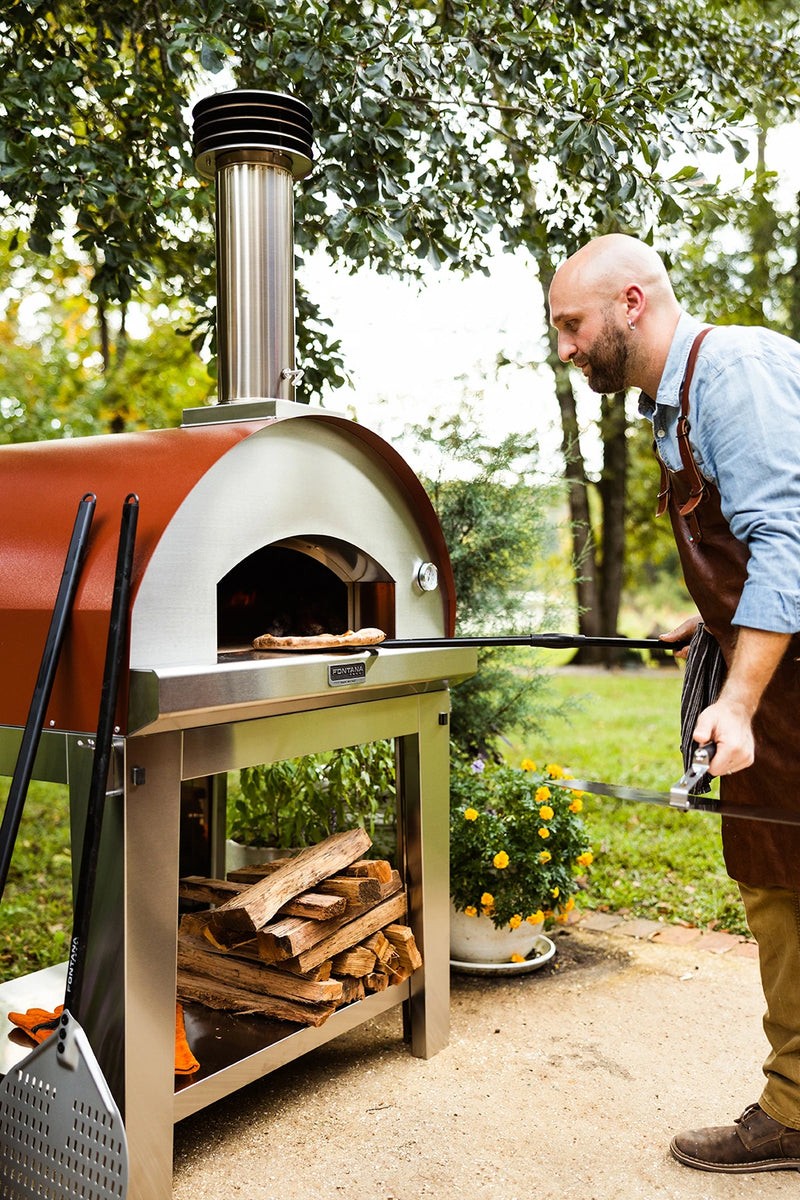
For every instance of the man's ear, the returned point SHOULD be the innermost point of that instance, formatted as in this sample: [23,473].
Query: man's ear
[634,303]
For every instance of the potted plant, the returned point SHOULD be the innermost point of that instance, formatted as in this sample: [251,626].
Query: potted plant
[516,844]
[278,807]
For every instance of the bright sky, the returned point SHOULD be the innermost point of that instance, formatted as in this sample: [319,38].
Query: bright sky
[413,351]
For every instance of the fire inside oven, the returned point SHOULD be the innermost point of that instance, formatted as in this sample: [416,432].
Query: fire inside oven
[301,587]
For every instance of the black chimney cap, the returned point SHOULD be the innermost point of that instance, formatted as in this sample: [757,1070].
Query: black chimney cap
[244,119]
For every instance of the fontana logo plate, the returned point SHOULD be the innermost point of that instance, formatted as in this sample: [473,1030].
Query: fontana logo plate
[340,674]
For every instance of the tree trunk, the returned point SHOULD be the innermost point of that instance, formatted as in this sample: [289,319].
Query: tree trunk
[584,550]
[613,431]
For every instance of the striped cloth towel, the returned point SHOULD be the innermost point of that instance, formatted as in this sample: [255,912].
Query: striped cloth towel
[702,681]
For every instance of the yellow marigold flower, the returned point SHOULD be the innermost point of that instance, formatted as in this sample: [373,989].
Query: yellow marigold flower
[489,910]
[542,794]
[471,814]
[500,860]
[515,921]
[527,764]
[471,910]
[568,907]
[517,958]
[555,771]
[555,892]
[487,899]
[535,918]
[576,805]
[585,859]
[544,832]
[545,812]
[544,856]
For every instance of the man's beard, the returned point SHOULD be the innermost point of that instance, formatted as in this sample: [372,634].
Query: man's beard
[608,361]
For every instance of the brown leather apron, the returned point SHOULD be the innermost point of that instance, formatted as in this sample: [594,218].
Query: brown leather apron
[715,568]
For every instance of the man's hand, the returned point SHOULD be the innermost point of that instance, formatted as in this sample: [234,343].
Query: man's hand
[729,721]
[683,633]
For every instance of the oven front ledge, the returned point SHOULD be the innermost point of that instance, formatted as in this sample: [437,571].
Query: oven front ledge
[164,698]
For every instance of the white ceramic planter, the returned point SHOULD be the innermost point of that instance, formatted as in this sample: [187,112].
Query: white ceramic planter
[238,855]
[475,939]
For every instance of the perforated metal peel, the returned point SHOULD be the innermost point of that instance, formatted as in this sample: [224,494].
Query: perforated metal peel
[61,1133]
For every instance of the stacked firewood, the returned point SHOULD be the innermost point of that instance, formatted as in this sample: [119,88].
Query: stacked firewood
[296,938]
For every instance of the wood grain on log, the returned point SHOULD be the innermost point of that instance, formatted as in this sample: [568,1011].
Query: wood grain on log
[193,989]
[195,957]
[238,919]
[353,931]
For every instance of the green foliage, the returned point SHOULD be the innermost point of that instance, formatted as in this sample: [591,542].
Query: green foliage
[516,840]
[36,913]
[301,801]
[493,508]
[434,125]
[54,381]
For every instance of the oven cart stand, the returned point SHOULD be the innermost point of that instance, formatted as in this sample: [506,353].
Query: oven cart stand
[129,1012]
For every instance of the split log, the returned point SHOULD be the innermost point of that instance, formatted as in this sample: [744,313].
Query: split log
[404,943]
[378,981]
[238,919]
[358,961]
[287,938]
[196,924]
[207,891]
[372,868]
[315,905]
[380,946]
[352,989]
[255,871]
[355,891]
[353,931]
[212,994]
[196,957]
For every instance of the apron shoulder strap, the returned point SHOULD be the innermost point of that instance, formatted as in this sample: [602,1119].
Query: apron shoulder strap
[698,486]
[687,458]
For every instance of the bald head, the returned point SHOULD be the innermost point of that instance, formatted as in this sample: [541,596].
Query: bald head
[616,286]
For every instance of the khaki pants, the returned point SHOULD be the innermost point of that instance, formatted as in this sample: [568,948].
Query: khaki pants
[773,915]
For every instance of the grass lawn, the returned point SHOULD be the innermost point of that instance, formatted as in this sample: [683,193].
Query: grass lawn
[649,861]
[36,909]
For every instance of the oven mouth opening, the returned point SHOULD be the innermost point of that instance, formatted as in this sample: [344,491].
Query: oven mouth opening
[299,587]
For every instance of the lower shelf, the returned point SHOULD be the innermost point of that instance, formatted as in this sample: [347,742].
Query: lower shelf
[235,1051]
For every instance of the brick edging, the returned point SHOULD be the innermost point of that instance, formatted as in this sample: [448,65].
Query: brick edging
[712,941]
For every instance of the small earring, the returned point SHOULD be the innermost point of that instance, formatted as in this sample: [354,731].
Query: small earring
[631,325]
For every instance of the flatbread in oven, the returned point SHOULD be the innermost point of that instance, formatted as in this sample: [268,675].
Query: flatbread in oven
[321,641]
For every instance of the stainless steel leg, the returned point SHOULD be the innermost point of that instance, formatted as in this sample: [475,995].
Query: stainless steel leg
[152,821]
[424,763]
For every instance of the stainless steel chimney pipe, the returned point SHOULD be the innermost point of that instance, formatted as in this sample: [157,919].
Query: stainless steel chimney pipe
[255,144]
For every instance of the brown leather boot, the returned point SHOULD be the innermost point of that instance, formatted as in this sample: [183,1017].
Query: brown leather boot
[755,1142]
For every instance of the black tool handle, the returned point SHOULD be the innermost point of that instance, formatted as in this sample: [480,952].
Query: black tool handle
[32,733]
[115,649]
[546,641]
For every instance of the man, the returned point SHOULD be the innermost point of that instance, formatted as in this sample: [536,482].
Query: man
[725,407]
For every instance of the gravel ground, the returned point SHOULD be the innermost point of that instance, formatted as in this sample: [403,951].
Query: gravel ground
[563,1084]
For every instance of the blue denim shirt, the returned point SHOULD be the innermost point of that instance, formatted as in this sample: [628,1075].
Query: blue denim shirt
[744,413]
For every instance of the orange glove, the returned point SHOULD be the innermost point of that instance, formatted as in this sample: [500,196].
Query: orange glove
[39,1024]
[185,1061]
